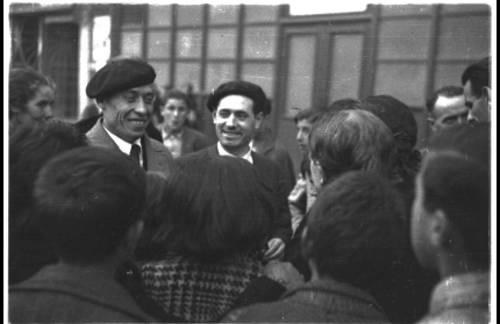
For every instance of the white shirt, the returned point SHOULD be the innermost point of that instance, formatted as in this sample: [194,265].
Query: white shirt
[124,146]
[223,152]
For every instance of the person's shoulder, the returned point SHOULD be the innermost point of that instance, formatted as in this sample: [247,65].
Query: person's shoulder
[265,162]
[261,312]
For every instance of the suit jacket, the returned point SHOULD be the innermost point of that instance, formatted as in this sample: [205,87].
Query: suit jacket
[193,141]
[273,179]
[156,156]
[62,294]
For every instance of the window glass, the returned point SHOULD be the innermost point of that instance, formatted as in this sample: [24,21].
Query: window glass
[190,15]
[162,70]
[159,44]
[449,74]
[187,73]
[258,13]
[131,43]
[260,74]
[259,42]
[218,73]
[160,15]
[222,43]
[224,14]
[404,39]
[189,43]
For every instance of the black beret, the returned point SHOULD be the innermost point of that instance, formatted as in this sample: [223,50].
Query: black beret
[242,88]
[120,75]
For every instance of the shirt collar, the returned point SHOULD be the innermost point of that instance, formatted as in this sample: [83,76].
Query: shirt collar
[124,146]
[166,134]
[223,152]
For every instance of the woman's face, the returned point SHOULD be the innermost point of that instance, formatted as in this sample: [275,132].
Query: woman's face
[39,108]
[175,113]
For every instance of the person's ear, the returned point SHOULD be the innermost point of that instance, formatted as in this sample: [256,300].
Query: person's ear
[258,119]
[100,104]
[306,245]
[317,174]
[486,93]
[134,233]
[214,115]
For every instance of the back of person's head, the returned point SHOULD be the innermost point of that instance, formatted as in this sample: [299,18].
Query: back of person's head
[355,229]
[479,75]
[212,207]
[351,140]
[310,115]
[447,92]
[341,104]
[24,83]
[456,179]
[88,198]
[31,146]
[396,115]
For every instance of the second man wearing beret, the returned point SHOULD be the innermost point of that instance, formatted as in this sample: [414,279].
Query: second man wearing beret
[237,111]
[124,90]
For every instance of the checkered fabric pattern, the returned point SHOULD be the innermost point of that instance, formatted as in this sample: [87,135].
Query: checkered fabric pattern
[197,290]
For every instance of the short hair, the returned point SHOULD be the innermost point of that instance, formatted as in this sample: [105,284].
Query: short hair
[210,207]
[30,148]
[456,179]
[88,198]
[357,228]
[24,82]
[479,75]
[309,114]
[176,94]
[396,115]
[352,140]
[447,92]
[341,104]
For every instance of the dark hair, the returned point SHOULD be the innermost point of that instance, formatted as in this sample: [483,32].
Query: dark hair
[31,146]
[447,92]
[351,140]
[211,207]
[88,198]
[175,94]
[479,75]
[310,114]
[356,227]
[24,82]
[396,115]
[341,104]
[456,179]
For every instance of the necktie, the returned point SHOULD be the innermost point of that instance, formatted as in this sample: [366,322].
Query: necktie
[134,152]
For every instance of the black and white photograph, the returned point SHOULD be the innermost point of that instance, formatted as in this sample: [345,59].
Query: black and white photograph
[250,161]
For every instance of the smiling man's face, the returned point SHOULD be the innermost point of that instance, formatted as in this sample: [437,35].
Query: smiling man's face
[235,123]
[126,114]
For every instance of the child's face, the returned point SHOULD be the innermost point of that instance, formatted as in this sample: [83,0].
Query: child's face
[421,228]
[303,130]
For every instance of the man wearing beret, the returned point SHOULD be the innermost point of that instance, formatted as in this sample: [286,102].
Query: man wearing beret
[124,90]
[237,111]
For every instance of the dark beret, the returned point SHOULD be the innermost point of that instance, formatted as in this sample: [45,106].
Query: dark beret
[120,75]
[242,88]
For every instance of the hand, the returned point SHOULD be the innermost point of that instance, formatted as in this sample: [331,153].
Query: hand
[276,249]
[283,273]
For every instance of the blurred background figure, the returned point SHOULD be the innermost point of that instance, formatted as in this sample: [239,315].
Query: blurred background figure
[179,138]
[204,240]
[451,223]
[477,90]
[264,142]
[446,107]
[31,96]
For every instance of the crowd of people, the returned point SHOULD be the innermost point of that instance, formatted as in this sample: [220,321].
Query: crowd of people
[119,219]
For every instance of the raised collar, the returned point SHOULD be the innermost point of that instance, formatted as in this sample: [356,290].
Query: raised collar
[223,152]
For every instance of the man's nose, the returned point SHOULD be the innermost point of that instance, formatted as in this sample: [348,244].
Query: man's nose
[231,121]
[141,108]
[47,112]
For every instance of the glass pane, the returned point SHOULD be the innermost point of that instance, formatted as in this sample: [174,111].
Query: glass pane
[396,10]
[405,82]
[465,7]
[404,39]
[131,43]
[300,74]
[256,13]
[101,43]
[346,67]
[159,44]
[160,15]
[464,37]
[162,73]
[449,74]
[224,14]
[218,74]
[189,43]
[187,73]
[260,42]
[222,43]
[260,74]
[190,15]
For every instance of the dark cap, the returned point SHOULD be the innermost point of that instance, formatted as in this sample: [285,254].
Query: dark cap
[120,75]
[242,88]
